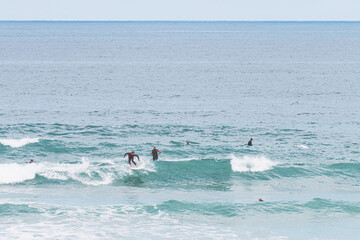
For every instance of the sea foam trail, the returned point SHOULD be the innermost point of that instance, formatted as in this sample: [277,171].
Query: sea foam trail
[251,164]
[98,173]
[15,143]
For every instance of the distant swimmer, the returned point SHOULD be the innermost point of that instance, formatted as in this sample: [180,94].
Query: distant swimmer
[260,200]
[131,156]
[31,161]
[250,142]
[154,153]
[187,143]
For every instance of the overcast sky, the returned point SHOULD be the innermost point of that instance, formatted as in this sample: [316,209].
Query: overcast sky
[239,10]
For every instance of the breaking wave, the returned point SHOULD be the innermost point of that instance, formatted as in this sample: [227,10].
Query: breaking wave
[251,164]
[15,143]
[95,173]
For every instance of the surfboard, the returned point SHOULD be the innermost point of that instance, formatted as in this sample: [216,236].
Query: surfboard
[136,168]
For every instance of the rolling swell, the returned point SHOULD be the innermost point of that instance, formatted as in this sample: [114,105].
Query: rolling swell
[315,206]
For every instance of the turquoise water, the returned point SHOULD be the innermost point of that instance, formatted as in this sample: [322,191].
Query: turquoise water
[75,96]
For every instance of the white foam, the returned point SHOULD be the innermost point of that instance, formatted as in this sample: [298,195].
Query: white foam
[13,173]
[84,172]
[251,164]
[303,146]
[15,143]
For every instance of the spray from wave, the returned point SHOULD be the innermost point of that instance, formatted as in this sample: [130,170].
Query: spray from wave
[15,143]
[95,173]
[251,164]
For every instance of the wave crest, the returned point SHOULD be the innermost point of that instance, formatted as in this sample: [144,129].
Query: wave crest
[15,143]
[98,173]
[251,164]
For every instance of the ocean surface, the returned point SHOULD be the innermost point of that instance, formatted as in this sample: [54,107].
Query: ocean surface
[76,96]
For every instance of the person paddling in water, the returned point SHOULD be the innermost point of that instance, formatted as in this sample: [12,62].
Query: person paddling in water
[154,153]
[131,156]
[250,142]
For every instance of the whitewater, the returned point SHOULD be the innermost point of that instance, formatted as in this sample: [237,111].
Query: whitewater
[15,143]
[76,96]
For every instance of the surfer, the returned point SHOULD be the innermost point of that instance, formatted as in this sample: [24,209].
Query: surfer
[187,143]
[31,161]
[250,142]
[154,153]
[131,156]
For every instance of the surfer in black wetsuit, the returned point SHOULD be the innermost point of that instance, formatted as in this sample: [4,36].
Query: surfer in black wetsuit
[131,157]
[154,153]
[250,142]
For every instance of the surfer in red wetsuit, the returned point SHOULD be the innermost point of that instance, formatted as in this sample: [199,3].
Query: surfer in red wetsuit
[154,153]
[131,157]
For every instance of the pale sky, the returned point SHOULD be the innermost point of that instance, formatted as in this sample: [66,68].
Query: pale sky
[207,10]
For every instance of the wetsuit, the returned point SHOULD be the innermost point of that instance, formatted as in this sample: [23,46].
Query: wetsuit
[250,143]
[131,157]
[154,153]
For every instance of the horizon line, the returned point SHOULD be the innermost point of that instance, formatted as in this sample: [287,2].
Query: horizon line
[37,20]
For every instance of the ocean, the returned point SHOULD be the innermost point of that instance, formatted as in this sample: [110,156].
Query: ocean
[76,96]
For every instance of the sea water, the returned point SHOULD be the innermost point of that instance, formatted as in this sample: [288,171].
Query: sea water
[76,96]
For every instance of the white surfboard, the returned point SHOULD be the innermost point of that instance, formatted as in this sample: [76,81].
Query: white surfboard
[136,167]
